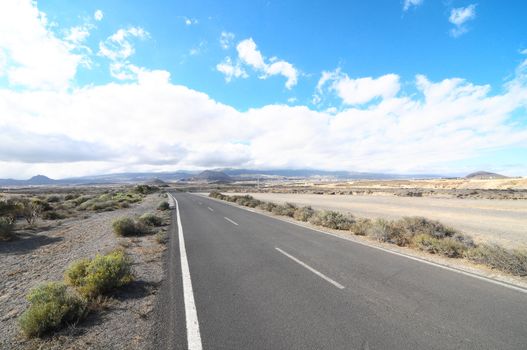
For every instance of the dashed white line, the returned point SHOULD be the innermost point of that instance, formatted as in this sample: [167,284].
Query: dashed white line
[191,315]
[320,274]
[210,208]
[229,220]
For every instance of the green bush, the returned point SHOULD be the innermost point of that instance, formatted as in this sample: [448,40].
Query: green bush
[53,199]
[512,261]
[332,219]
[151,220]
[163,206]
[303,213]
[100,275]
[161,237]
[6,229]
[145,189]
[52,306]
[129,227]
[53,215]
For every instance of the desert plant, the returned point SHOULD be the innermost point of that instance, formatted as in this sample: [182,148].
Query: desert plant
[6,229]
[161,237]
[129,227]
[100,275]
[53,199]
[267,206]
[145,189]
[29,210]
[151,219]
[53,215]
[448,247]
[287,209]
[164,205]
[303,213]
[52,306]
[362,226]
[512,261]
[332,219]
[9,210]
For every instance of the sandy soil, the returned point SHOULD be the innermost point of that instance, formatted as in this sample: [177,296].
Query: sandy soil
[44,255]
[500,221]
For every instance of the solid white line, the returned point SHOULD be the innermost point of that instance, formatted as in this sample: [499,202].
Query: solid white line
[320,274]
[229,220]
[210,209]
[191,315]
[452,269]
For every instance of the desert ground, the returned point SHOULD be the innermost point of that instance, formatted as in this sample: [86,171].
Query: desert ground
[488,210]
[41,253]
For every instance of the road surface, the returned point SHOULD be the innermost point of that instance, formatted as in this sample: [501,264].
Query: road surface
[255,282]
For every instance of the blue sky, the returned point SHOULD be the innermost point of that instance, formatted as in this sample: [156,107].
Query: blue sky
[415,86]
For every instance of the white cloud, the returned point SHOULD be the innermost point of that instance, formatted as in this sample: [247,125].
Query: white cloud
[98,15]
[190,21]
[358,91]
[459,17]
[409,3]
[249,55]
[231,70]
[35,57]
[151,124]
[118,48]
[226,39]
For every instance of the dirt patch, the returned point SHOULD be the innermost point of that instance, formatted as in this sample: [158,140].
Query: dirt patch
[125,318]
[502,221]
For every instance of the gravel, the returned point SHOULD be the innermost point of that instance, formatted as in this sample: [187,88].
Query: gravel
[126,319]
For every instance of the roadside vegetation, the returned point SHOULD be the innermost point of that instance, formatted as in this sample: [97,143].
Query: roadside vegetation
[25,211]
[54,305]
[90,283]
[415,232]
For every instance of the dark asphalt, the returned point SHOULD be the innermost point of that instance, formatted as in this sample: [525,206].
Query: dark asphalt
[248,295]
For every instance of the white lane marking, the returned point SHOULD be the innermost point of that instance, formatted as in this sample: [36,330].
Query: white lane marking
[191,315]
[452,269]
[320,274]
[229,220]
[210,208]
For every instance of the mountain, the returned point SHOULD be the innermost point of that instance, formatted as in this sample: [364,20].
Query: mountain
[485,175]
[212,176]
[215,175]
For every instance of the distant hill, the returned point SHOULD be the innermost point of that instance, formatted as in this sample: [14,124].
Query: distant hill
[212,176]
[485,175]
[157,182]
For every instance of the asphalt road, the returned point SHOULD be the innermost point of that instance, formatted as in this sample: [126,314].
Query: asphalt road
[261,283]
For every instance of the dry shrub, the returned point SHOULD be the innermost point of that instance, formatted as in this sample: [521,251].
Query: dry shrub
[512,261]
[303,213]
[332,219]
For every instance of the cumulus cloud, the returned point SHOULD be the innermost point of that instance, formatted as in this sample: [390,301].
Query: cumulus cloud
[411,3]
[118,48]
[98,15]
[249,55]
[153,124]
[360,90]
[36,58]
[459,17]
